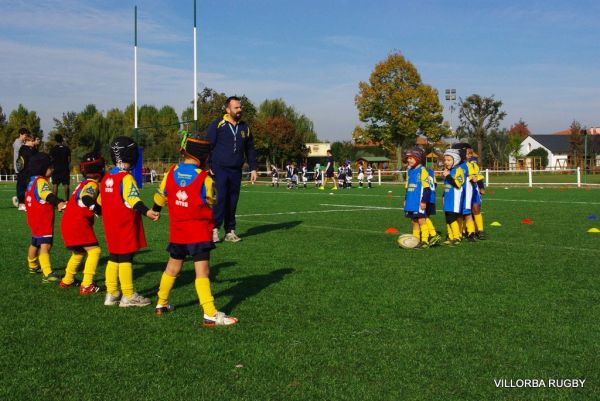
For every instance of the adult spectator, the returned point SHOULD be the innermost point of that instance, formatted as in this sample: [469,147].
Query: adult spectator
[25,153]
[16,146]
[61,159]
[231,144]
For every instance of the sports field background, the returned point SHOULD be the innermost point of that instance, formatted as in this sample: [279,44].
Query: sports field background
[329,307]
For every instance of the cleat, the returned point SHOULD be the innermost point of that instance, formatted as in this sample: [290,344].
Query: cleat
[15,201]
[90,289]
[452,242]
[50,278]
[481,236]
[216,235]
[110,299]
[135,300]
[421,245]
[232,237]
[321,188]
[435,240]
[219,319]
[35,270]
[163,309]
[471,238]
[22,207]
[75,283]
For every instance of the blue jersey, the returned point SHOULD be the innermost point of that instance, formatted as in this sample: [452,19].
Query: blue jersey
[431,179]
[453,194]
[467,195]
[417,187]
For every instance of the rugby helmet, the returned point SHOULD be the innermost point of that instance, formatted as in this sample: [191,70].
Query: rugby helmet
[123,149]
[195,147]
[92,165]
[417,153]
[454,154]
[39,164]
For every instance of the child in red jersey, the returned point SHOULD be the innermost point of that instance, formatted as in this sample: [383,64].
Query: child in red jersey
[77,225]
[122,209]
[40,203]
[189,191]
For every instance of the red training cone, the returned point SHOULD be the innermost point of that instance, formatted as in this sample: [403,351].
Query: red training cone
[527,221]
[391,230]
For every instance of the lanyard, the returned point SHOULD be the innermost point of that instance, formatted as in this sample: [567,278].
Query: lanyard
[234,132]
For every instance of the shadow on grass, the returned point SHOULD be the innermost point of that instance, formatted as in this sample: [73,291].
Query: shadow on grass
[265,228]
[245,288]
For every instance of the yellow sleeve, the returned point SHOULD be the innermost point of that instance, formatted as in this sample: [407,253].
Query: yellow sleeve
[424,178]
[131,192]
[160,197]
[43,189]
[209,189]
[90,189]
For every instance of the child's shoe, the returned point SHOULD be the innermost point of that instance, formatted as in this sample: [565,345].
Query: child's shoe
[110,299]
[163,309]
[35,270]
[135,300]
[75,283]
[90,289]
[50,278]
[219,319]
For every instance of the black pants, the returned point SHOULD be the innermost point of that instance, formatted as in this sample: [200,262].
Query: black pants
[22,181]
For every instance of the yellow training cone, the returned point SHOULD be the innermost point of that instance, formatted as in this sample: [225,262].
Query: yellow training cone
[496,224]
[593,230]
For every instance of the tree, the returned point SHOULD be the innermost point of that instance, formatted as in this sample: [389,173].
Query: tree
[576,144]
[278,108]
[520,130]
[477,116]
[497,149]
[277,140]
[540,152]
[17,119]
[343,151]
[5,143]
[211,105]
[397,106]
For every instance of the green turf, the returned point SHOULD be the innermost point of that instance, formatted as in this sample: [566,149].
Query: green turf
[329,307]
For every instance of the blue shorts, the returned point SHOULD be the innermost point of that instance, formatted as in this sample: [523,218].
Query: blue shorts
[476,199]
[180,251]
[37,241]
[415,215]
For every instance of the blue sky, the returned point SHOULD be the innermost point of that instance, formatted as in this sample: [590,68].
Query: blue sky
[541,58]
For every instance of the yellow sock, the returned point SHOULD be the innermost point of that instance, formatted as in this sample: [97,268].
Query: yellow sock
[45,263]
[417,232]
[207,302]
[126,278]
[111,277]
[431,227]
[470,226]
[164,290]
[33,263]
[461,225]
[450,233]
[89,270]
[72,265]
[478,221]
[456,230]
[424,233]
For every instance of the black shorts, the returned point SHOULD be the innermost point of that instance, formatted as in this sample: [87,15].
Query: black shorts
[180,251]
[430,209]
[37,241]
[61,178]
[329,174]
[80,248]
[415,215]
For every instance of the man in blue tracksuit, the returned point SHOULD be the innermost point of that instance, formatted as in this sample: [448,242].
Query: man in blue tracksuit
[231,143]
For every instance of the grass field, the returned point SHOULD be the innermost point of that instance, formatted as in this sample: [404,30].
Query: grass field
[329,307]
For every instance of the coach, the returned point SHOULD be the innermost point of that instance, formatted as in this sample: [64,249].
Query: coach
[231,144]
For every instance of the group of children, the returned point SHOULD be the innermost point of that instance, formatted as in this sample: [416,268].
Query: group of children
[186,189]
[344,176]
[463,187]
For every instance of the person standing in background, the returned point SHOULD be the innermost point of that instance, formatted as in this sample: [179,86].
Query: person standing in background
[16,146]
[61,159]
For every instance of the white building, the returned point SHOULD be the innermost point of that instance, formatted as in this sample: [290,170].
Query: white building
[557,147]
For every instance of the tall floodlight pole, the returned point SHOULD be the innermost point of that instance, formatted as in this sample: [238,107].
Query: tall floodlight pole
[195,75]
[135,103]
[451,97]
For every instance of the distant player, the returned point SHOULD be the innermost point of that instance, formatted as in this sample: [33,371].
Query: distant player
[430,210]
[274,176]
[318,175]
[40,203]
[187,189]
[122,209]
[77,225]
[454,178]
[467,223]
[370,176]
[478,184]
[417,196]
[361,175]
[349,173]
[288,175]
[342,176]
[329,171]
[26,152]
[304,173]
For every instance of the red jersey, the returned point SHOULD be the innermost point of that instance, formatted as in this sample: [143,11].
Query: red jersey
[123,226]
[77,224]
[40,214]
[190,218]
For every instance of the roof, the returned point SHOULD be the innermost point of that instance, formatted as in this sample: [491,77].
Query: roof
[374,158]
[554,143]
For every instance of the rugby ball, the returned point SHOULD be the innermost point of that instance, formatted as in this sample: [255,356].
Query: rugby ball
[408,241]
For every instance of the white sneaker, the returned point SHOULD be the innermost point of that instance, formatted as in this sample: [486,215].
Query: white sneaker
[22,207]
[135,300]
[219,319]
[15,201]
[216,235]
[110,299]
[232,237]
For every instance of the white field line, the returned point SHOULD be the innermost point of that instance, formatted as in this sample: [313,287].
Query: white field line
[510,244]
[485,198]
[303,212]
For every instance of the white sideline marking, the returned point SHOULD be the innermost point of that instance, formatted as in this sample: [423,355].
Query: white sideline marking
[303,212]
